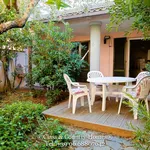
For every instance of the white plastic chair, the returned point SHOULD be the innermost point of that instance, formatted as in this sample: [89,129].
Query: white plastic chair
[139,91]
[97,74]
[141,75]
[94,74]
[76,91]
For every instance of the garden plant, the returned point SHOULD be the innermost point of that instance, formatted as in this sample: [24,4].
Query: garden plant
[141,135]
[51,56]
[24,127]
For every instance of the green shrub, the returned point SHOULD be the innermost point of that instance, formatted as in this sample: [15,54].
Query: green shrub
[23,127]
[37,93]
[49,71]
[50,135]
[142,135]
[17,121]
[51,55]
[148,66]
[52,96]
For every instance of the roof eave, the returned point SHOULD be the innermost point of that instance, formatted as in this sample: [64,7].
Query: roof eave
[86,15]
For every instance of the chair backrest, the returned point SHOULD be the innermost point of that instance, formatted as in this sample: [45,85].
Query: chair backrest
[68,81]
[143,87]
[141,75]
[94,74]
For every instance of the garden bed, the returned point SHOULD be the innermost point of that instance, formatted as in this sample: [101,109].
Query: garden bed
[36,96]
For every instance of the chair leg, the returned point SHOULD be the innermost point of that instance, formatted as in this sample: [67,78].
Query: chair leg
[117,98]
[120,104]
[69,101]
[82,101]
[146,102]
[74,104]
[135,109]
[89,102]
[93,100]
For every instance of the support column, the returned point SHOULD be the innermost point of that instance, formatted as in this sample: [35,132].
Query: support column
[95,34]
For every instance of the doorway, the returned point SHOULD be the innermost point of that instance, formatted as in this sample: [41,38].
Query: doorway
[139,56]
[119,55]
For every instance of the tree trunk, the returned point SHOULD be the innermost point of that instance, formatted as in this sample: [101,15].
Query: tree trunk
[30,81]
[19,22]
[7,84]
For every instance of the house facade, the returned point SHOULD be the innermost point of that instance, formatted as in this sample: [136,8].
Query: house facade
[113,53]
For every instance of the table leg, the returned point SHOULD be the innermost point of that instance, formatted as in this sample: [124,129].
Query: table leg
[92,93]
[117,85]
[104,98]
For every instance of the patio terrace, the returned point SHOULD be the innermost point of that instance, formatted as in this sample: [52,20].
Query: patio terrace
[108,121]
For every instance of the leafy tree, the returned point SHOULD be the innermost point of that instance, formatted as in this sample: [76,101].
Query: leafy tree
[51,54]
[15,13]
[136,10]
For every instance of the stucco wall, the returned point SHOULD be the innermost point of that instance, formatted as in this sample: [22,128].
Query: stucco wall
[108,69]
[22,59]
[107,50]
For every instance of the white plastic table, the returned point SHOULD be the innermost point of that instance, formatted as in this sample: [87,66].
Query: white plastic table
[104,81]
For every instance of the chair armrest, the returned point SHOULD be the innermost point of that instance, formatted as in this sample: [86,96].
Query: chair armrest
[125,88]
[75,83]
[132,86]
[80,86]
